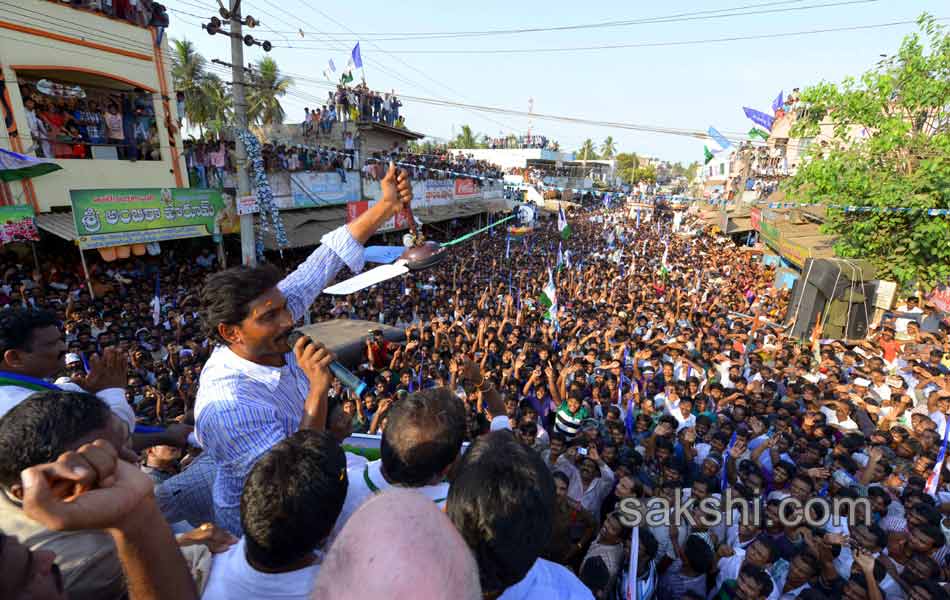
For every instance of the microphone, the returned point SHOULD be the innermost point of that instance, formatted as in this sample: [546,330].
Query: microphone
[347,378]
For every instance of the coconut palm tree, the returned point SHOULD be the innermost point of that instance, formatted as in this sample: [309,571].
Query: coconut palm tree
[608,148]
[188,74]
[587,151]
[220,108]
[467,138]
[267,87]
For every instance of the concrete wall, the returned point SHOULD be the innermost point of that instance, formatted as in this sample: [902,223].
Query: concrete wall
[39,37]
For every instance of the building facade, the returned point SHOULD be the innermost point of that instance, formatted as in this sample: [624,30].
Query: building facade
[92,91]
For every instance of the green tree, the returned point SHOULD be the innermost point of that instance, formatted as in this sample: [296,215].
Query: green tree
[608,148]
[221,113]
[467,138]
[266,87]
[890,147]
[188,76]
[627,166]
[587,151]
[646,174]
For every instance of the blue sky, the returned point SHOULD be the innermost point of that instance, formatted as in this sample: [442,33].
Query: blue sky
[689,86]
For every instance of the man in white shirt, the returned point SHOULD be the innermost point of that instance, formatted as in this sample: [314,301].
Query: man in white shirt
[291,500]
[420,445]
[502,502]
[910,309]
[254,391]
[32,352]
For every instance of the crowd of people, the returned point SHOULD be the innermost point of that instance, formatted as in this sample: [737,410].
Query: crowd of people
[349,104]
[432,166]
[212,163]
[521,142]
[143,13]
[71,121]
[661,374]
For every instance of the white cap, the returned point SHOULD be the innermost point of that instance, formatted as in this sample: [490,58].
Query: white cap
[72,357]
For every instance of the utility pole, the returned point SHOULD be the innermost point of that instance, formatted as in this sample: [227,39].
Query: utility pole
[232,16]
[248,249]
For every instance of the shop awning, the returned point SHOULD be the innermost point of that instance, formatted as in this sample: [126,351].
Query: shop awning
[59,224]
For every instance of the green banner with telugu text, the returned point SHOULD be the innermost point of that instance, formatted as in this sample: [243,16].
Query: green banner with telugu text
[121,217]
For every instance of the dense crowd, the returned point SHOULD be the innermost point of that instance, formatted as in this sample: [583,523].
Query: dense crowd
[352,104]
[445,165]
[211,163]
[69,121]
[522,142]
[662,373]
[138,12]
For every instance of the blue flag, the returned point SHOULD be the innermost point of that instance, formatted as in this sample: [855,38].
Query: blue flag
[933,480]
[508,246]
[720,139]
[778,103]
[759,118]
[357,59]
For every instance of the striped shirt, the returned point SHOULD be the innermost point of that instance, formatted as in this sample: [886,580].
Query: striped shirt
[567,422]
[243,408]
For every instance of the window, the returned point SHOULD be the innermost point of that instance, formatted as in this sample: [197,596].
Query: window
[722,168]
[70,120]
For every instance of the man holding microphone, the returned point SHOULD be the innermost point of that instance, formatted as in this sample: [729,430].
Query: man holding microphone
[255,390]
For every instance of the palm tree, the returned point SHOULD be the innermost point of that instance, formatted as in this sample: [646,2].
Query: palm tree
[587,151]
[266,88]
[220,108]
[466,139]
[608,149]
[188,74]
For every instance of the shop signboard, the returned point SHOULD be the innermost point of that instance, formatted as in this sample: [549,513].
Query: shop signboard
[121,217]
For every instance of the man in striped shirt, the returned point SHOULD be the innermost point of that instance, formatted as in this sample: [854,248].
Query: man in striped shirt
[569,417]
[254,391]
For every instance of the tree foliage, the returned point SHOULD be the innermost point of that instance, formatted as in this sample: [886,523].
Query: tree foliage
[631,170]
[608,148]
[467,138]
[266,86]
[884,141]
[587,151]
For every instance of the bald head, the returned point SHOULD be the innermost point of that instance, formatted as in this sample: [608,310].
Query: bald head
[398,544]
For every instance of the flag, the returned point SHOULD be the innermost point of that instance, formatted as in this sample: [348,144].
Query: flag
[756,132]
[562,225]
[633,584]
[666,253]
[508,246]
[567,259]
[638,218]
[548,297]
[157,304]
[933,480]
[778,103]
[758,117]
[346,78]
[720,139]
[331,66]
[707,154]
[355,56]
[560,257]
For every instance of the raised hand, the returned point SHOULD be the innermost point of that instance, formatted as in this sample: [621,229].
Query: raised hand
[90,488]
[109,370]
[396,188]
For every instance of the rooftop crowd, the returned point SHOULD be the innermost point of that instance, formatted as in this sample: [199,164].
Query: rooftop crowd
[664,374]
[350,104]
[71,121]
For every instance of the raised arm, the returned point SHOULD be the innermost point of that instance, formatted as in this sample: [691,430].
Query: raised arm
[92,488]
